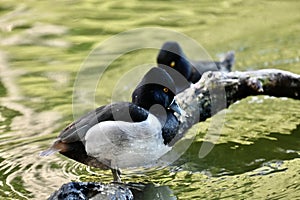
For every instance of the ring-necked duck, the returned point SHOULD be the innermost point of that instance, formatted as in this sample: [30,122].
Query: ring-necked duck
[124,135]
[171,55]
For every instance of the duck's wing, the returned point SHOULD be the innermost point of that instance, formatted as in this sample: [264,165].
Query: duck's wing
[121,111]
[73,135]
[200,67]
[227,61]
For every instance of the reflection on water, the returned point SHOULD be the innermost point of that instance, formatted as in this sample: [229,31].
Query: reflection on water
[152,192]
[257,154]
[243,158]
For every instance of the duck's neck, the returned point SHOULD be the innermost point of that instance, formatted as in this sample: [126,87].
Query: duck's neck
[160,113]
[168,121]
[195,75]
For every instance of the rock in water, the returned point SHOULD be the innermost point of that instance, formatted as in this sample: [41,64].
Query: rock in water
[91,191]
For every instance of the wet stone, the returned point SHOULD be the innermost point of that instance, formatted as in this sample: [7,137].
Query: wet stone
[92,191]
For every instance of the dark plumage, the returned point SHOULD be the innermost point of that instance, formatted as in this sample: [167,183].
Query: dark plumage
[183,71]
[122,135]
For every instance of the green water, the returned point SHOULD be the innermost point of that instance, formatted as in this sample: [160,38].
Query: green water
[44,43]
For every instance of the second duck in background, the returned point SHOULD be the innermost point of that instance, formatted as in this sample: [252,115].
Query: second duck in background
[172,59]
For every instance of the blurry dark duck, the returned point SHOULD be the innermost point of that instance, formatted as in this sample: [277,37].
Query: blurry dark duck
[172,58]
[125,135]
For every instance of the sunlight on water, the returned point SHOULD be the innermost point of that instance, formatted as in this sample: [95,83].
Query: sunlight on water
[43,44]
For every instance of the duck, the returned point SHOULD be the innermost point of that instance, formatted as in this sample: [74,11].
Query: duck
[184,71]
[125,134]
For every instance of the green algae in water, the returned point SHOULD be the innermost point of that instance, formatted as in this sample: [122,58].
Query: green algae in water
[17,184]
[7,115]
[3,91]
[264,34]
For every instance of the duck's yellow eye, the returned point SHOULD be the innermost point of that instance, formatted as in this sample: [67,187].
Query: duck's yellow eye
[166,90]
[172,64]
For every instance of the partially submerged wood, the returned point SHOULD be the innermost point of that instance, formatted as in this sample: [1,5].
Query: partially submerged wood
[217,91]
[213,93]
[239,85]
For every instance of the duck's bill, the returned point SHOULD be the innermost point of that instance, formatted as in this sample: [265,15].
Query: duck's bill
[175,107]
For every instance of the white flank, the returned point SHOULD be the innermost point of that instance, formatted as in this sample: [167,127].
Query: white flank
[126,144]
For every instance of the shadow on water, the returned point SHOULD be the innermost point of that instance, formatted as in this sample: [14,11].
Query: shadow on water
[233,158]
[152,192]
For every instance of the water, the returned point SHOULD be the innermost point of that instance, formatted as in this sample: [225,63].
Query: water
[42,45]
